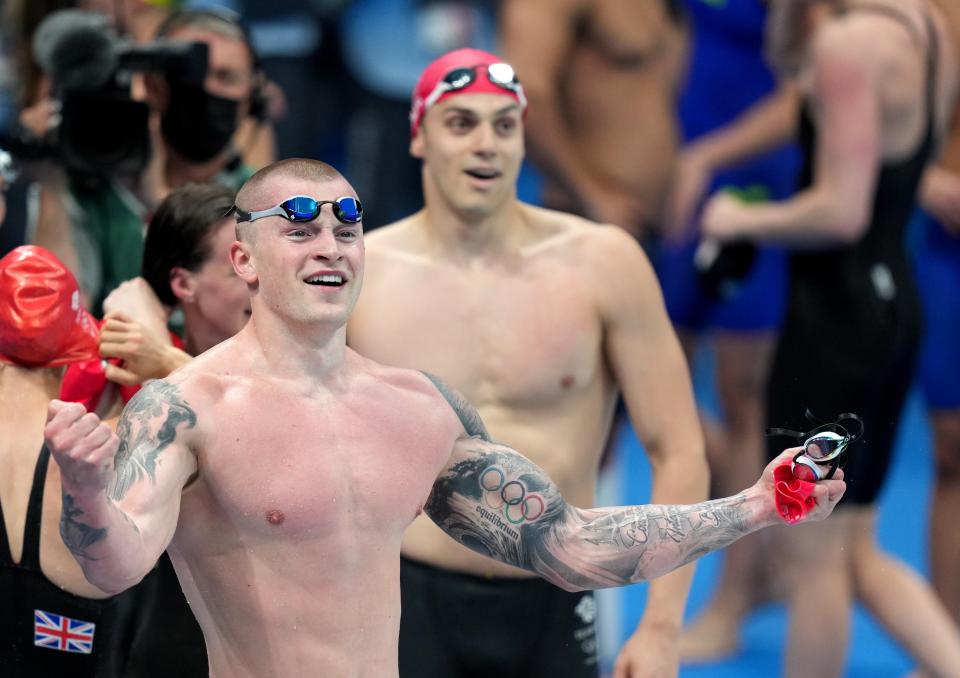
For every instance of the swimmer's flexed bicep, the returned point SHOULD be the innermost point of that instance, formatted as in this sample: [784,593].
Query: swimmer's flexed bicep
[496,502]
[121,491]
[150,424]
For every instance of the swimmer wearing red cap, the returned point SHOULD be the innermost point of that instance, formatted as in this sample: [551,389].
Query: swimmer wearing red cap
[542,319]
[280,469]
[54,622]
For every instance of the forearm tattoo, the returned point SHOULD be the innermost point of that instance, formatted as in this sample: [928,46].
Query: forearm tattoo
[148,425]
[76,535]
[500,504]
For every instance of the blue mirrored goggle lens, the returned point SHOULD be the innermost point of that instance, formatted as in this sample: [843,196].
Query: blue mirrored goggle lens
[350,210]
[301,208]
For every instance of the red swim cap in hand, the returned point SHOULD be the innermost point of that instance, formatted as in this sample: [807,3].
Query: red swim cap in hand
[793,496]
[41,321]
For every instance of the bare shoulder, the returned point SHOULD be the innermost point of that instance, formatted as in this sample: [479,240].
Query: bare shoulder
[431,398]
[399,236]
[871,40]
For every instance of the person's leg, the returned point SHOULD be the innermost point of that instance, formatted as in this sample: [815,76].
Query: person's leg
[945,510]
[903,602]
[742,366]
[817,570]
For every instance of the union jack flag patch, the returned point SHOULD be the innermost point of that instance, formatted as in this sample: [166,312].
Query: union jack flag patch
[57,632]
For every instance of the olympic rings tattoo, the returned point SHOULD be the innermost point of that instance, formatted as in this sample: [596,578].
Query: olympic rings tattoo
[517,505]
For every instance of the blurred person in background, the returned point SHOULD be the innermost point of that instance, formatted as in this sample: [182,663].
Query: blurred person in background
[99,221]
[877,80]
[731,108]
[54,621]
[937,267]
[602,77]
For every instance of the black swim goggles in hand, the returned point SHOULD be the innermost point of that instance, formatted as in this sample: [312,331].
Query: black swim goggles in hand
[502,75]
[826,444]
[304,208]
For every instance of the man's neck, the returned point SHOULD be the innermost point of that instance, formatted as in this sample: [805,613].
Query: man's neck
[465,236]
[309,352]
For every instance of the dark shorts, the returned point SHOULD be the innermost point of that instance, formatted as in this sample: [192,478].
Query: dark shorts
[460,626]
[937,265]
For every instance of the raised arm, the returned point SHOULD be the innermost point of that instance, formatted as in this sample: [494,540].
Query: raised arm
[495,501]
[121,492]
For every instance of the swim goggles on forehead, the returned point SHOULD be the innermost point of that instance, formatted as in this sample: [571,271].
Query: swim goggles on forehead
[500,74]
[826,444]
[304,208]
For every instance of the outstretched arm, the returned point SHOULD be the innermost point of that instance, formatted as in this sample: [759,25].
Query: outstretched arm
[498,503]
[121,492]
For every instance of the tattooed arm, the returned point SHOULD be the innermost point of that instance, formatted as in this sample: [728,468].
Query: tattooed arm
[121,492]
[495,501]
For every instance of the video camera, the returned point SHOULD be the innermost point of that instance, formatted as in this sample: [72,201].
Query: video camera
[102,131]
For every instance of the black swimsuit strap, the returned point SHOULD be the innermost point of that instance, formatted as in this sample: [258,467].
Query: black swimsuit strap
[6,556]
[31,530]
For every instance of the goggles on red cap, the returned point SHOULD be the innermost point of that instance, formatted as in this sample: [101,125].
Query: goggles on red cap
[464,71]
[41,321]
[502,75]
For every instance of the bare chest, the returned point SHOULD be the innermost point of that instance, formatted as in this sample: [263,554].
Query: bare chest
[285,468]
[510,337]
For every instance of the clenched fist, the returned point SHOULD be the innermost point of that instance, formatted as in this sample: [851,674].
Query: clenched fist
[82,445]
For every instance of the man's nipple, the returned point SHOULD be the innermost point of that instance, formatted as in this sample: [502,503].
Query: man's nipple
[275,517]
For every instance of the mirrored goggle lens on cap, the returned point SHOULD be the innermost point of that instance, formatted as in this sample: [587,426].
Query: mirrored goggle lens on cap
[825,445]
[499,74]
[503,75]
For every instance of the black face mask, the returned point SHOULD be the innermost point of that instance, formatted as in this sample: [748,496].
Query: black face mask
[198,125]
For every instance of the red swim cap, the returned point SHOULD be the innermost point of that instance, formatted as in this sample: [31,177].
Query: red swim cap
[41,321]
[483,81]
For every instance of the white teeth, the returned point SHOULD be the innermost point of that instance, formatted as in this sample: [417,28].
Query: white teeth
[326,278]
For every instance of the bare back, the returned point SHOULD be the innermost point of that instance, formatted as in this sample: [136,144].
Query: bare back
[895,39]
[519,334]
[303,485]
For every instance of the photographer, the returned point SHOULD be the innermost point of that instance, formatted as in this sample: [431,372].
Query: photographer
[186,126]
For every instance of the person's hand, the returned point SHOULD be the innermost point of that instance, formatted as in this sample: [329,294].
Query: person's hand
[940,197]
[651,652]
[723,217]
[41,117]
[82,446]
[144,355]
[136,300]
[690,182]
[826,493]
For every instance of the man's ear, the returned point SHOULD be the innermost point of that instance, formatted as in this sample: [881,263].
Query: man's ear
[416,144]
[183,285]
[242,259]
